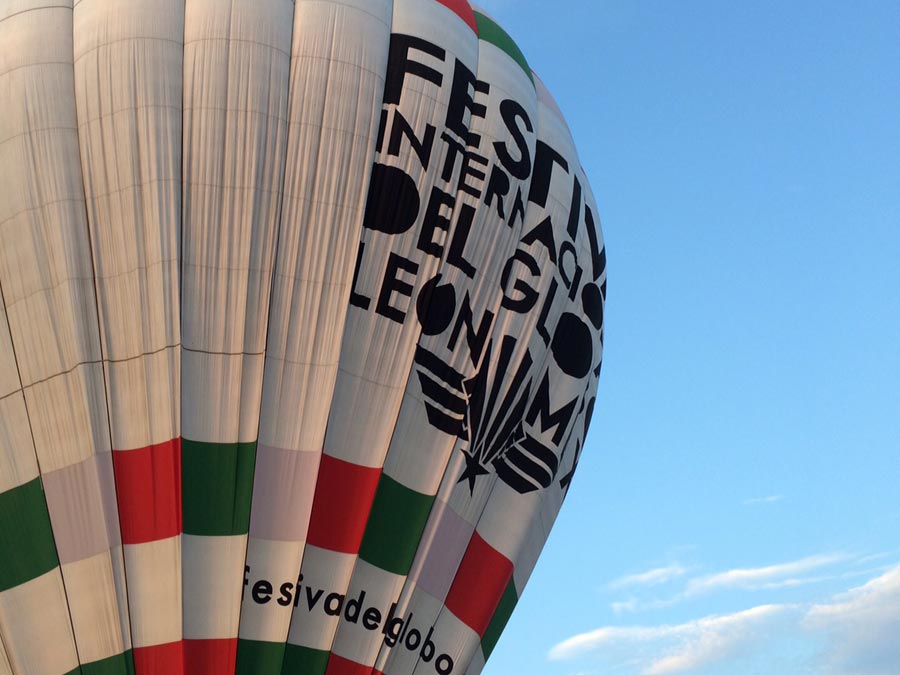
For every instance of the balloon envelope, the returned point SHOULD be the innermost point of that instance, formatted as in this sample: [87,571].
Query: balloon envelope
[302,319]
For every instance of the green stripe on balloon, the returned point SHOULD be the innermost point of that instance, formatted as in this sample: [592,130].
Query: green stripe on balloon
[304,660]
[499,620]
[27,548]
[120,664]
[255,657]
[490,31]
[395,526]
[217,486]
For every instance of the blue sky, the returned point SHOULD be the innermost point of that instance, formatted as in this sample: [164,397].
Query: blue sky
[737,510]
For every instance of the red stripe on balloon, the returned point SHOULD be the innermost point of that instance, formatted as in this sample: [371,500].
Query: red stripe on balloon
[148,486]
[167,659]
[463,10]
[344,496]
[210,657]
[337,665]
[479,584]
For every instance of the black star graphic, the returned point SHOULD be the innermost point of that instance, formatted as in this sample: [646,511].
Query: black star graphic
[472,471]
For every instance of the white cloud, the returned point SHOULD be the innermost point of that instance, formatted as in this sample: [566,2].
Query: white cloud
[757,501]
[633,605]
[782,576]
[856,632]
[761,578]
[654,577]
[684,646]
[862,627]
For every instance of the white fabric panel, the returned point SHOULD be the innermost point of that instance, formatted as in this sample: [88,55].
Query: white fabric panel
[50,305]
[508,516]
[212,600]
[68,416]
[322,570]
[377,351]
[35,627]
[458,641]
[220,396]
[529,549]
[5,668]
[91,590]
[336,90]
[128,91]
[159,620]
[440,553]
[9,372]
[18,463]
[236,74]
[353,640]
[477,663]
[144,395]
[49,320]
[128,70]
[128,74]
[236,61]
[269,560]
[426,609]
[47,279]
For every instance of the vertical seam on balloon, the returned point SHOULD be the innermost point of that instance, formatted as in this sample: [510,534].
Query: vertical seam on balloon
[374,151]
[5,652]
[450,233]
[280,223]
[383,647]
[322,450]
[28,417]
[180,409]
[40,475]
[103,366]
[493,478]
[485,504]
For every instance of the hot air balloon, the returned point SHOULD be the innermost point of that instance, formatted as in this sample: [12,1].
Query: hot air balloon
[302,320]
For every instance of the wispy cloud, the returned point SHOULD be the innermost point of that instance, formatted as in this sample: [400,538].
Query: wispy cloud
[850,633]
[633,605]
[654,577]
[807,571]
[862,627]
[768,577]
[683,647]
[757,501]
